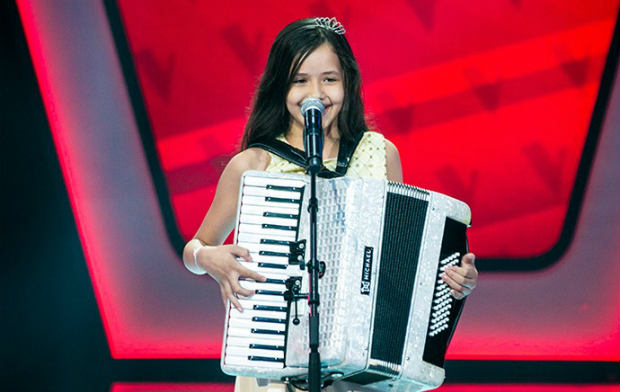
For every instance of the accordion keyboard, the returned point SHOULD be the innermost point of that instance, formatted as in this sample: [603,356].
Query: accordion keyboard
[267,226]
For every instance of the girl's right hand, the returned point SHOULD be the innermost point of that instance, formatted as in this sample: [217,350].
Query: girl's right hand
[221,263]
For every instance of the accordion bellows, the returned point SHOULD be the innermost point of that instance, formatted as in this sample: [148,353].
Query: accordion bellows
[386,317]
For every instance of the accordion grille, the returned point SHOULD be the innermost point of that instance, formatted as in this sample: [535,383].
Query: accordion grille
[400,250]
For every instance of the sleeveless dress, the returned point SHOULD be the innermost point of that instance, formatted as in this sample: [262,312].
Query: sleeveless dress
[368,160]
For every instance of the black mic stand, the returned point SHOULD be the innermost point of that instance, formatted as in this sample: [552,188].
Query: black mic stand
[314,359]
[314,149]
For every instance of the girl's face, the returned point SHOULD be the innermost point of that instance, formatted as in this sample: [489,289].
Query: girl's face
[320,76]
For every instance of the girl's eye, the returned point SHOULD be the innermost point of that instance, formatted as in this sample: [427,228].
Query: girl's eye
[298,81]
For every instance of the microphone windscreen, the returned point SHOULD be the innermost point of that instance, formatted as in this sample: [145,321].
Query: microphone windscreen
[312,103]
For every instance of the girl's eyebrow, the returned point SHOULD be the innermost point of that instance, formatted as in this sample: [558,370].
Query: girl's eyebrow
[322,73]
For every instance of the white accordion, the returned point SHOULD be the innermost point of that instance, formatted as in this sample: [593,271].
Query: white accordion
[386,317]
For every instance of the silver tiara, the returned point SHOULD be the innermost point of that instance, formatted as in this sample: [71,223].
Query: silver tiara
[330,24]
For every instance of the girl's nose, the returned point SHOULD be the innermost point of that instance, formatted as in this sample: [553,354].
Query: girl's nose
[316,90]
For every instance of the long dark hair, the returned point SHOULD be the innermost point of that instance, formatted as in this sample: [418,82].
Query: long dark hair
[269,116]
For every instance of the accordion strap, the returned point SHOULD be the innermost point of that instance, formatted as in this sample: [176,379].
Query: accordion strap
[298,157]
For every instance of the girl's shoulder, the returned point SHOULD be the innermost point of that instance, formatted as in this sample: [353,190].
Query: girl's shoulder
[249,159]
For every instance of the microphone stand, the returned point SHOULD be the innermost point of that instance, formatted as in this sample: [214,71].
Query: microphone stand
[314,359]
[313,143]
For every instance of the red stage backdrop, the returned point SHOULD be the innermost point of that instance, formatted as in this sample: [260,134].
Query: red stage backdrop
[488,102]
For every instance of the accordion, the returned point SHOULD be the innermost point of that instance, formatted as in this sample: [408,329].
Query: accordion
[386,316]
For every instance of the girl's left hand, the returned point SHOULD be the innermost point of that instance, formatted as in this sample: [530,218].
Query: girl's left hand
[463,279]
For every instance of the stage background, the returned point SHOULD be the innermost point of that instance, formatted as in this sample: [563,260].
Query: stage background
[98,188]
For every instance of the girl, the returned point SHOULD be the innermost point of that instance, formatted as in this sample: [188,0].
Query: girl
[309,58]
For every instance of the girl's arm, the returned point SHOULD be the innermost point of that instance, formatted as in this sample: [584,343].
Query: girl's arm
[205,252]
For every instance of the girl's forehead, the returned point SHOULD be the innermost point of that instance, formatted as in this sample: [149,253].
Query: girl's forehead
[323,59]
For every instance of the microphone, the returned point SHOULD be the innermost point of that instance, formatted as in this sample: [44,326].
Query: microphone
[312,111]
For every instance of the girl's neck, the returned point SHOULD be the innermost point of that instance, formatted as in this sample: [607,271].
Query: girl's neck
[331,141]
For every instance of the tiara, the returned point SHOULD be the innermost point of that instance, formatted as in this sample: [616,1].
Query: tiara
[330,24]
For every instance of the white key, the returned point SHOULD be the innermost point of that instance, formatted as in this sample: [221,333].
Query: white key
[259,191]
[257,238]
[250,209]
[241,351]
[249,313]
[264,181]
[249,303]
[276,234]
[261,201]
[283,277]
[235,341]
[259,220]
[244,361]
[245,332]
[252,285]
[253,266]
[253,247]
[269,259]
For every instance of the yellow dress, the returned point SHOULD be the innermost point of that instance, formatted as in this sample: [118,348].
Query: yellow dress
[368,160]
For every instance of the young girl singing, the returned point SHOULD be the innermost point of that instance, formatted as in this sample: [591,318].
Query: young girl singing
[309,58]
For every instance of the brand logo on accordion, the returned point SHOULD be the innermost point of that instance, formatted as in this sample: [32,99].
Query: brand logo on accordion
[366,270]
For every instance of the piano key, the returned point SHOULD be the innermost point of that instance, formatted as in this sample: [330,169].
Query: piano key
[260,219]
[268,297]
[263,319]
[261,269]
[247,333]
[288,235]
[266,346]
[272,278]
[270,241]
[250,313]
[253,342]
[267,331]
[269,308]
[272,214]
[258,247]
[265,181]
[267,359]
[275,304]
[258,191]
[265,202]
[291,211]
[259,239]
[244,361]
[253,352]
[272,265]
[258,258]
[252,285]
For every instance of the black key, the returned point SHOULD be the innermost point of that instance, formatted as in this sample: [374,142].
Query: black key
[285,188]
[275,242]
[266,347]
[269,292]
[279,215]
[276,281]
[268,320]
[271,265]
[278,227]
[270,308]
[282,200]
[267,331]
[266,359]
[271,253]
